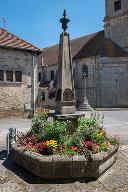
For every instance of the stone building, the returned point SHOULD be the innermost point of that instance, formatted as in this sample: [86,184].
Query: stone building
[18,75]
[102,56]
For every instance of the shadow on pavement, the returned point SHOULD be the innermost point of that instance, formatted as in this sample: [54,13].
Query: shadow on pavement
[32,179]
[3,154]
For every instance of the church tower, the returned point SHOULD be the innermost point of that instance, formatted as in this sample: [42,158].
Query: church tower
[116,22]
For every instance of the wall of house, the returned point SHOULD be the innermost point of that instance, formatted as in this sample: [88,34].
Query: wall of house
[14,95]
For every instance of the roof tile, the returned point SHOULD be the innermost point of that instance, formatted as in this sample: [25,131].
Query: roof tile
[86,46]
[9,40]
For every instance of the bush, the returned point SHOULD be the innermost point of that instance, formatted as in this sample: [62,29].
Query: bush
[44,130]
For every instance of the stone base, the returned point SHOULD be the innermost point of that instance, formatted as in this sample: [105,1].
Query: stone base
[65,107]
[64,167]
[84,107]
[72,118]
[68,110]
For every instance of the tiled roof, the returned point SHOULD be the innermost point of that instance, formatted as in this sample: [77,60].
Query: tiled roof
[8,40]
[86,46]
[99,45]
[50,54]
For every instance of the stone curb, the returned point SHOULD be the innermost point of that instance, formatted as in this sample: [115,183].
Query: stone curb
[64,167]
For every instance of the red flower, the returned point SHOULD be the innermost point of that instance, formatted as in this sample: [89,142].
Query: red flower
[74,148]
[89,144]
[42,148]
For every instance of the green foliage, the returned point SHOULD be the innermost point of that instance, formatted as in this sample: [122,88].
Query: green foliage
[68,151]
[50,138]
[99,137]
[93,121]
[54,131]
[44,130]
[73,140]
[89,129]
[103,147]
[38,122]
[113,141]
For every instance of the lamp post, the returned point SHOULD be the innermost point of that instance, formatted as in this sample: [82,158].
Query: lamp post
[85,105]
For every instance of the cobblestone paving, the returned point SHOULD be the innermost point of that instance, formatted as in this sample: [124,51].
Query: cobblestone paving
[16,179]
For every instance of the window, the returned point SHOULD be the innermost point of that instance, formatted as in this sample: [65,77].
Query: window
[9,76]
[1,75]
[117,5]
[85,71]
[18,76]
[43,96]
[39,77]
[52,75]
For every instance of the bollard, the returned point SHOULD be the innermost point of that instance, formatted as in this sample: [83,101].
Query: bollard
[10,139]
[7,144]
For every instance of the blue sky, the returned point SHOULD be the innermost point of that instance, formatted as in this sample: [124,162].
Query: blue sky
[37,21]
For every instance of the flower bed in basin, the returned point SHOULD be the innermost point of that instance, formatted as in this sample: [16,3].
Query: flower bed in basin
[49,150]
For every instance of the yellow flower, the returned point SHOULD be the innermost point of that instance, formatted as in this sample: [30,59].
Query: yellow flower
[51,144]
[99,134]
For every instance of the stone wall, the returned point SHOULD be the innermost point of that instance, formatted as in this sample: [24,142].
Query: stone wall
[45,102]
[80,81]
[112,78]
[106,82]
[14,95]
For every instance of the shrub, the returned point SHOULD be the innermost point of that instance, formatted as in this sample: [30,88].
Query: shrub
[73,140]
[54,131]
[44,130]
[92,121]
[38,122]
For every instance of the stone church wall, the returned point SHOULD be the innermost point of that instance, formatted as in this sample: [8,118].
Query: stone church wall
[80,81]
[14,95]
[112,78]
[106,84]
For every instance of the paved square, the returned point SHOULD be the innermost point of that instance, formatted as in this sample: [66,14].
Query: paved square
[15,179]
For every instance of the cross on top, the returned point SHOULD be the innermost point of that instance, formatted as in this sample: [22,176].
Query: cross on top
[64,20]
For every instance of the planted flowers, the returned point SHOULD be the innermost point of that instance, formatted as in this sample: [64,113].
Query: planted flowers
[49,138]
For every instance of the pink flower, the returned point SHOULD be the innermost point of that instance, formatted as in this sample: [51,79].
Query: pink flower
[74,148]
[89,144]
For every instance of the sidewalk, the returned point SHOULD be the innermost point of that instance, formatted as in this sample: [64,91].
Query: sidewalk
[16,179]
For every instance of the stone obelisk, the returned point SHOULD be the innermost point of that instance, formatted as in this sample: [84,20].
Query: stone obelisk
[65,97]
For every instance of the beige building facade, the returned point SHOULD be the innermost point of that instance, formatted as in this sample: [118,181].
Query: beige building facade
[18,76]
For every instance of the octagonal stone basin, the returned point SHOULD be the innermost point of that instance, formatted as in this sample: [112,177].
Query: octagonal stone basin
[64,167]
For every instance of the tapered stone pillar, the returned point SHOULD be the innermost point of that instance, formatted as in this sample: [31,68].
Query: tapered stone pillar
[65,97]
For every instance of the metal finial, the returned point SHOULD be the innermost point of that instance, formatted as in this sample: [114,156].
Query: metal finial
[64,14]
[64,20]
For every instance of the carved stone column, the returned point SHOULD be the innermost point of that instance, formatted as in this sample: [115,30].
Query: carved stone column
[65,97]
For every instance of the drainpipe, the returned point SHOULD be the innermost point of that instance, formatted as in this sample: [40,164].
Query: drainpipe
[34,94]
